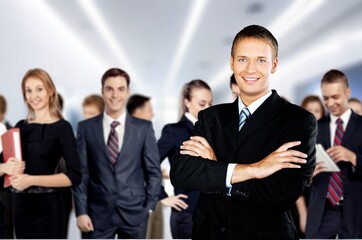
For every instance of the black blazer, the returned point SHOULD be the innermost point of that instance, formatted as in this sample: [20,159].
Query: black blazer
[169,144]
[351,179]
[257,208]
[131,186]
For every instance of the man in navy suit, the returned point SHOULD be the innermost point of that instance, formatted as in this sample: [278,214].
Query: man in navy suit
[120,166]
[262,147]
[342,216]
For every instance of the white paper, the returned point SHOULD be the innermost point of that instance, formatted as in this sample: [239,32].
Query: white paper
[321,156]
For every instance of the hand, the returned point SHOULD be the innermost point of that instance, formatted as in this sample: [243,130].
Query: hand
[340,153]
[281,158]
[198,147]
[319,167]
[20,181]
[13,166]
[84,223]
[175,202]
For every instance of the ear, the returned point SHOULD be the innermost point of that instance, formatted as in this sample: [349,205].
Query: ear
[187,103]
[232,63]
[274,64]
[348,92]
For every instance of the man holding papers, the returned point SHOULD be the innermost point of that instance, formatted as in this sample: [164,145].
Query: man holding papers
[335,207]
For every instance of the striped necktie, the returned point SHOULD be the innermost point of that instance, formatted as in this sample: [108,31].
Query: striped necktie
[244,115]
[112,143]
[335,193]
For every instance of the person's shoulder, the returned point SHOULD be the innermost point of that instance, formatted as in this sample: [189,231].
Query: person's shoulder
[297,112]
[138,121]
[219,109]
[91,120]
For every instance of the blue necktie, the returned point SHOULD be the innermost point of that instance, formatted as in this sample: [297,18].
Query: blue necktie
[244,115]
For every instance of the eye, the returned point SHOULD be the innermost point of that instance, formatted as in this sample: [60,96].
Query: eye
[261,61]
[242,60]
[28,91]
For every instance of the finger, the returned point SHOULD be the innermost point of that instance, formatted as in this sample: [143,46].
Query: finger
[191,153]
[292,160]
[182,196]
[176,207]
[193,144]
[290,165]
[293,153]
[202,140]
[181,205]
[91,228]
[288,145]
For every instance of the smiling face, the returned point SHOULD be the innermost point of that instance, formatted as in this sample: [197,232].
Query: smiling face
[253,62]
[335,97]
[36,94]
[115,93]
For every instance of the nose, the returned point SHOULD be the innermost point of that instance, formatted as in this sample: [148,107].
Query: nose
[251,67]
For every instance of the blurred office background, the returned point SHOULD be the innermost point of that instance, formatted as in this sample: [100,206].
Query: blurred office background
[163,44]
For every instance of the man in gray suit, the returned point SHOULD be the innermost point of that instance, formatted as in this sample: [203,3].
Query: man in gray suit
[120,166]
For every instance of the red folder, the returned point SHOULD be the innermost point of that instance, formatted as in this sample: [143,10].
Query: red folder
[11,144]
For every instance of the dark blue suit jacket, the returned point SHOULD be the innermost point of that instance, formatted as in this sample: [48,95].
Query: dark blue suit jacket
[352,179]
[131,186]
[169,144]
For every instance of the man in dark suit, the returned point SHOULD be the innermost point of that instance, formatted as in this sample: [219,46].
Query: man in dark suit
[335,202]
[120,166]
[256,176]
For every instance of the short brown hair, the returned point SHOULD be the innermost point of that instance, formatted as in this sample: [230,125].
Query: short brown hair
[259,32]
[335,76]
[96,100]
[3,104]
[115,72]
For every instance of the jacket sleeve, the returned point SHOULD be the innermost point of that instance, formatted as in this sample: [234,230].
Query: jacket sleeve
[195,173]
[282,189]
[80,192]
[151,168]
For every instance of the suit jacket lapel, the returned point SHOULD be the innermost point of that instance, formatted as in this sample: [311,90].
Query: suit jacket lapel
[229,120]
[352,123]
[325,129]
[129,133]
[261,116]
[98,132]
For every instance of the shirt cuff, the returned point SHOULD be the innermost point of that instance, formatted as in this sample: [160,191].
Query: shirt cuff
[229,173]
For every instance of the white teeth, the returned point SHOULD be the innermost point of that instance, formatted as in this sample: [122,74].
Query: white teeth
[251,79]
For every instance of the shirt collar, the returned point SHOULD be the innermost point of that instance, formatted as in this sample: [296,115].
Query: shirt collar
[190,117]
[121,119]
[252,107]
[345,117]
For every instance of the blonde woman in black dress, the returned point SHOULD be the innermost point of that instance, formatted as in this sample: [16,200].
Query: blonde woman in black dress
[46,137]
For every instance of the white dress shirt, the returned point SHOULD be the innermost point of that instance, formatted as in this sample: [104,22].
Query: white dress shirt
[252,108]
[107,120]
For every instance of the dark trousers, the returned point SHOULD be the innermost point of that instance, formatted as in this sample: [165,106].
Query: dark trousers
[7,218]
[333,224]
[2,213]
[181,225]
[39,215]
[119,228]
[68,204]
